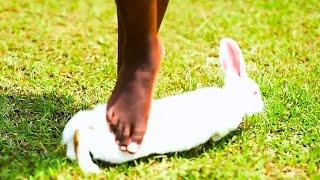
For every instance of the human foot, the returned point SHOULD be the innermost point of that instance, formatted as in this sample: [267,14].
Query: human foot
[129,104]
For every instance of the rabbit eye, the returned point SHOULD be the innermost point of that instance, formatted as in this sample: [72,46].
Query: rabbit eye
[255,93]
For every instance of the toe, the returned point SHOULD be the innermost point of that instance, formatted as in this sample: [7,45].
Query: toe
[135,141]
[112,119]
[137,136]
[118,132]
[124,138]
[110,114]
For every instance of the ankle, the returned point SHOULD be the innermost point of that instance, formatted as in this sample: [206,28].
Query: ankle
[143,54]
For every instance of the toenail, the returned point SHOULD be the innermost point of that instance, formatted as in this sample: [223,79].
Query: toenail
[133,147]
[123,148]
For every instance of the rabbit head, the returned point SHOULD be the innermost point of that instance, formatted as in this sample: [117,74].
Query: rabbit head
[237,83]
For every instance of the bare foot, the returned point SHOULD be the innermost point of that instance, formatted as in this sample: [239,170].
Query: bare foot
[129,104]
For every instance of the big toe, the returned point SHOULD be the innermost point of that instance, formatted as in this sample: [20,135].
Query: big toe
[135,141]
[133,147]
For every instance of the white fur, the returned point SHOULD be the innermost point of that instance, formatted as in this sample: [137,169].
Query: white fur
[176,123]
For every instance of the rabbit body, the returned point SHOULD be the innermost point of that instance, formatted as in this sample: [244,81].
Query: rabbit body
[176,123]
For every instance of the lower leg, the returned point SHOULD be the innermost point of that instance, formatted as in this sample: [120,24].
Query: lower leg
[161,9]
[120,39]
[129,105]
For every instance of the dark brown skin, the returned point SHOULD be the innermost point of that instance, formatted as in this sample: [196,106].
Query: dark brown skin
[139,54]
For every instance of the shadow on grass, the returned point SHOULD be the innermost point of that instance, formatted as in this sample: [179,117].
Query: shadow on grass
[31,128]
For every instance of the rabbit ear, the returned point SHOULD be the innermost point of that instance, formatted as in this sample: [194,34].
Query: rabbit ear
[231,58]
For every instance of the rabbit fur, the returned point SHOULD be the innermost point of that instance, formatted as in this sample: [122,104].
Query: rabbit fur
[176,123]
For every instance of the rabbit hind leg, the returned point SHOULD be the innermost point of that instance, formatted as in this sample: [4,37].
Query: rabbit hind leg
[81,147]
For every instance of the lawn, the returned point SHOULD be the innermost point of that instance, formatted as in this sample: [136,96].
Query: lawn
[58,57]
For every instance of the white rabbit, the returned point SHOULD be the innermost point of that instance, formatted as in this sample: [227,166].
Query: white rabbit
[176,123]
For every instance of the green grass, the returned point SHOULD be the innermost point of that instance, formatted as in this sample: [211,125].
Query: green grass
[58,57]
